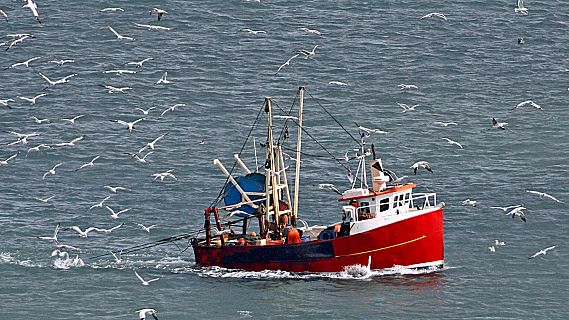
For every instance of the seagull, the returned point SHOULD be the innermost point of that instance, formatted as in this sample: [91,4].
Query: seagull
[143,159]
[129,125]
[19,39]
[421,164]
[25,63]
[172,108]
[100,204]
[506,208]
[54,236]
[60,81]
[499,243]
[435,14]
[138,64]
[152,143]
[52,171]
[492,248]
[5,162]
[254,31]
[528,103]
[117,259]
[543,194]
[114,9]
[446,124]
[72,120]
[453,142]
[70,143]
[521,40]
[59,253]
[339,83]
[45,200]
[32,101]
[144,282]
[62,62]
[145,112]
[4,14]
[119,72]
[520,8]
[498,125]
[115,189]
[77,262]
[23,138]
[540,252]
[89,164]
[407,108]
[518,211]
[369,131]
[82,233]
[112,89]
[142,313]
[151,27]
[164,175]
[115,215]
[311,31]
[40,121]
[38,147]
[287,63]
[407,86]
[34,8]
[145,228]
[469,202]
[329,186]
[119,37]
[307,53]
[5,102]
[111,229]
[158,11]
[163,79]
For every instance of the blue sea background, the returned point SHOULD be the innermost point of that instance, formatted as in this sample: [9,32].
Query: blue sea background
[467,69]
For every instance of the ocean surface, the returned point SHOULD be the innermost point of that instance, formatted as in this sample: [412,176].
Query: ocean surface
[468,70]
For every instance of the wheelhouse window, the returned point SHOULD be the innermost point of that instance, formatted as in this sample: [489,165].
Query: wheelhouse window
[384,205]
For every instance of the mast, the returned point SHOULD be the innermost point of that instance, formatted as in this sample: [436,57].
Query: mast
[298,147]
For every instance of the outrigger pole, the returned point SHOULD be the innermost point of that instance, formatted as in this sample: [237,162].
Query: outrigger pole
[298,147]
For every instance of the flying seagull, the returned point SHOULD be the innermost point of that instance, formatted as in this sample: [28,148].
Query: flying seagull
[421,164]
[520,8]
[163,79]
[138,64]
[435,15]
[542,252]
[528,103]
[24,63]
[287,63]
[158,11]
[518,211]
[307,53]
[368,131]
[54,236]
[543,194]
[145,228]
[115,215]
[89,164]
[34,8]
[329,186]
[498,125]
[4,14]
[144,282]
[453,142]
[119,37]
[311,31]
[251,31]
[143,312]
[129,125]
[32,101]
[52,170]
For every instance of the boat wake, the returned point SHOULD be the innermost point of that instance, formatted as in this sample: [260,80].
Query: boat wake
[355,272]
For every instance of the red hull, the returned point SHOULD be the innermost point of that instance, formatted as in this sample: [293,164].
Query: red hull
[416,241]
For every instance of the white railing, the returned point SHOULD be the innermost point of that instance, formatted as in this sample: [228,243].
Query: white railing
[429,200]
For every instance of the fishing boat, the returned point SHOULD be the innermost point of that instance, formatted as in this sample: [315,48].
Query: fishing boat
[259,227]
